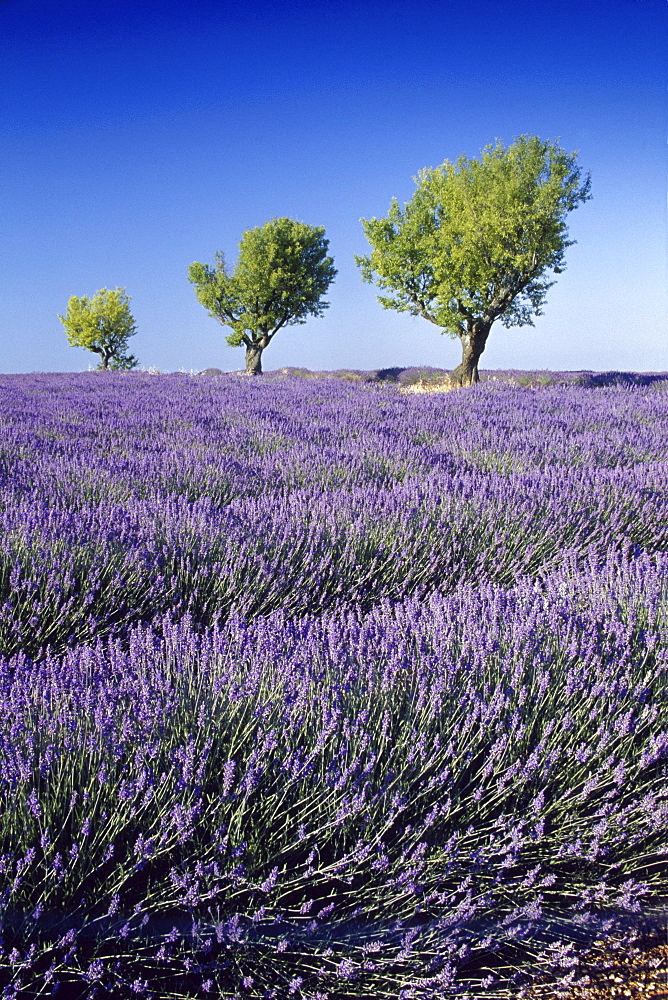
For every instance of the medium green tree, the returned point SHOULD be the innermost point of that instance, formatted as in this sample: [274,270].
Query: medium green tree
[282,272]
[478,241]
[102,324]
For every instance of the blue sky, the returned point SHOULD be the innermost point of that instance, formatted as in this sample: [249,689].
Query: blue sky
[137,137]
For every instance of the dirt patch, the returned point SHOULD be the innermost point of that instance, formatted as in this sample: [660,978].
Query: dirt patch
[639,972]
[420,387]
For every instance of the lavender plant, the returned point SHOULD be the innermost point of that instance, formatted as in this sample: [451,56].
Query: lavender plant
[315,690]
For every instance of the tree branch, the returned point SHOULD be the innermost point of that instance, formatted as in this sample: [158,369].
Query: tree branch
[281,323]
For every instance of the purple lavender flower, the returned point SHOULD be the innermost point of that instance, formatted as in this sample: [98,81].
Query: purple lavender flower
[429,692]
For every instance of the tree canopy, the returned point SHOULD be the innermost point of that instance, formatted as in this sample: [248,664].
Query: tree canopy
[478,241]
[102,324]
[281,274]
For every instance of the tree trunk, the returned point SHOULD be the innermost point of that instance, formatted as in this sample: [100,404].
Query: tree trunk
[473,344]
[254,360]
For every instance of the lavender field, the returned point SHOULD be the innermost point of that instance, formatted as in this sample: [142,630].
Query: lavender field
[311,689]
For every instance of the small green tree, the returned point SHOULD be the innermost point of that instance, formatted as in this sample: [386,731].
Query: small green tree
[102,324]
[477,240]
[282,272]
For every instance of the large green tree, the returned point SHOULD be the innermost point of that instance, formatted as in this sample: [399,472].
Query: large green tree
[102,323]
[478,241]
[282,272]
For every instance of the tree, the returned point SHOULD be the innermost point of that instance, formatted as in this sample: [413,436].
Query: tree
[102,324]
[477,240]
[282,272]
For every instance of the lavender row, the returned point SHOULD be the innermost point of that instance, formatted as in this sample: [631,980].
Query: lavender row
[395,803]
[116,435]
[128,497]
[317,690]
[67,578]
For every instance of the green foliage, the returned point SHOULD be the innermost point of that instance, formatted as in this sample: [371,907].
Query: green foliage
[479,237]
[282,272]
[102,324]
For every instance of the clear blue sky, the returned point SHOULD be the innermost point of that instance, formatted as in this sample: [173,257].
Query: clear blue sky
[138,136]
